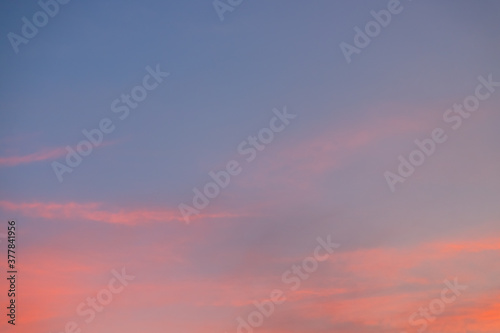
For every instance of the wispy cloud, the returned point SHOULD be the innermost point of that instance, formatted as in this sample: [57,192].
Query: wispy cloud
[97,212]
[42,155]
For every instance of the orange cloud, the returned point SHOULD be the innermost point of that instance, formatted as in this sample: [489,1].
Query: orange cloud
[382,287]
[352,292]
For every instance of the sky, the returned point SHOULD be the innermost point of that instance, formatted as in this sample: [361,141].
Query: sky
[251,166]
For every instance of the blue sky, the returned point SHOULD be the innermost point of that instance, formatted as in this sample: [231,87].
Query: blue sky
[322,175]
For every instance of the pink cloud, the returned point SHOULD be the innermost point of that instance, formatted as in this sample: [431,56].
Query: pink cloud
[42,155]
[95,212]
[328,150]
[352,291]
[295,171]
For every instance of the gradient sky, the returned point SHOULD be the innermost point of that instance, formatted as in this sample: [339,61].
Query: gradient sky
[323,175]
